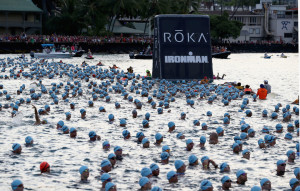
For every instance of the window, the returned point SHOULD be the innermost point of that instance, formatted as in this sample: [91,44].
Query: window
[251,31]
[295,24]
[288,35]
[239,19]
[257,31]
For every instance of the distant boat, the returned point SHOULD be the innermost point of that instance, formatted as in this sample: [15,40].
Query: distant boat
[78,53]
[221,55]
[49,52]
[267,57]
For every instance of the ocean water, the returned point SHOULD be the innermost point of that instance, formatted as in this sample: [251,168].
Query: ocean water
[66,155]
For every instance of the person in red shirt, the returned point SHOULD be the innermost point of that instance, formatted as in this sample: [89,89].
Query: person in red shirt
[262,92]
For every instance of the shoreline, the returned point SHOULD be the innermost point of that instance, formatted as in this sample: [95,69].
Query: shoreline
[122,48]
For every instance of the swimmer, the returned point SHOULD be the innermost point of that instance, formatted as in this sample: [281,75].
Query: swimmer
[206,162]
[118,152]
[291,156]
[294,183]
[180,167]
[17,185]
[105,178]
[224,167]
[193,160]
[213,138]
[93,136]
[73,132]
[28,141]
[180,136]
[155,169]
[105,166]
[172,177]
[189,144]
[112,159]
[280,167]
[17,149]
[84,173]
[202,141]
[106,145]
[206,185]
[265,184]
[158,139]
[171,126]
[204,126]
[251,132]
[72,105]
[126,134]
[65,129]
[83,113]
[182,116]
[241,176]
[37,118]
[140,136]
[123,123]
[220,131]
[145,183]
[68,116]
[164,158]
[110,187]
[146,172]
[226,183]
[146,143]
[45,167]
[134,113]
[246,154]
[297,173]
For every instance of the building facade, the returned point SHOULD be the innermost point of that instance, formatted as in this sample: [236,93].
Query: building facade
[18,16]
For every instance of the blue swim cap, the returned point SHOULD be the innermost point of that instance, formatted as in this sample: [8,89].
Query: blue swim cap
[279,162]
[15,146]
[245,151]
[236,138]
[154,166]
[235,145]
[182,114]
[179,135]
[111,155]
[105,162]
[72,129]
[171,174]
[226,120]
[239,173]
[219,130]
[68,114]
[28,139]
[171,124]
[164,155]
[109,185]
[189,141]
[92,134]
[145,140]
[117,148]
[125,133]
[143,181]
[293,181]
[243,127]
[279,126]
[202,139]
[250,131]
[61,123]
[145,122]
[297,188]
[158,136]
[65,128]
[243,135]
[203,125]
[265,129]
[139,134]
[209,113]
[178,164]
[265,112]
[224,179]
[255,188]
[204,158]
[16,183]
[296,171]
[288,136]
[274,114]
[105,143]
[296,122]
[192,159]
[297,147]
[223,166]
[289,152]
[146,171]
[248,112]
[104,177]
[156,188]
[110,116]
[196,121]
[147,116]
[263,181]
[82,111]
[165,148]
[82,169]
[205,184]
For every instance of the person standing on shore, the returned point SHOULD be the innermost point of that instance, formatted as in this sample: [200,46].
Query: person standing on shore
[267,86]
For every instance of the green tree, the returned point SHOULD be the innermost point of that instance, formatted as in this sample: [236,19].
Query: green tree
[221,27]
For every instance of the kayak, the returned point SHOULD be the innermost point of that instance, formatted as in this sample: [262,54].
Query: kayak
[267,57]
[89,57]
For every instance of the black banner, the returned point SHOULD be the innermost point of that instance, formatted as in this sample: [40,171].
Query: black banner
[182,47]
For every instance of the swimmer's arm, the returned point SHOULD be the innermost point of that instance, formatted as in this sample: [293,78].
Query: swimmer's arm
[213,163]
[37,119]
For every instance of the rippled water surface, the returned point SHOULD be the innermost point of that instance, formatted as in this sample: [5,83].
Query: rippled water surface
[66,155]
